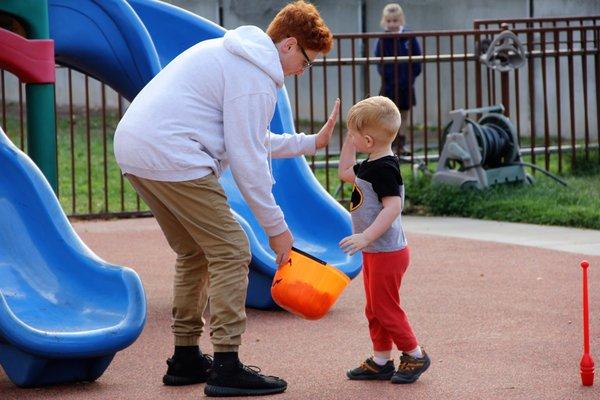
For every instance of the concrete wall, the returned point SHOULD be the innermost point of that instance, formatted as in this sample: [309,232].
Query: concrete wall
[550,8]
[430,15]
[208,9]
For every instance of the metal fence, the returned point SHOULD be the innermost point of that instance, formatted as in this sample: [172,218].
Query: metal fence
[90,182]
[553,101]
[453,77]
[558,48]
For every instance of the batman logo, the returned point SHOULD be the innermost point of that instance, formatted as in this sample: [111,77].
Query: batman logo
[357,198]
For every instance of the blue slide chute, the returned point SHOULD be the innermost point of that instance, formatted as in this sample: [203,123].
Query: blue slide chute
[106,40]
[64,312]
[173,29]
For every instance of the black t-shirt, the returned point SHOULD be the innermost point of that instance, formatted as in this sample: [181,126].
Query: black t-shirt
[383,174]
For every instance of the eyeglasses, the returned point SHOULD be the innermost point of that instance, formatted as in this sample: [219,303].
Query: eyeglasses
[308,63]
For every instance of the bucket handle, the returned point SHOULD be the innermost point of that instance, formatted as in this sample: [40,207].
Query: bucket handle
[318,260]
[308,255]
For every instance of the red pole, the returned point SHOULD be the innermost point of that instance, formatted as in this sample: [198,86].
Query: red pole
[587,363]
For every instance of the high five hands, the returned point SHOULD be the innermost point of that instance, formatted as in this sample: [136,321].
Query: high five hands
[326,131]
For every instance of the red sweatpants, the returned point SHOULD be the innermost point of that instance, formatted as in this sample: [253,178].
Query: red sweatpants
[388,323]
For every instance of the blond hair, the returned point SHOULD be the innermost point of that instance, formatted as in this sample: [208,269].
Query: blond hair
[392,9]
[379,115]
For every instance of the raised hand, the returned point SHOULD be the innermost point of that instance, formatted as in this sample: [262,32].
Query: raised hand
[324,135]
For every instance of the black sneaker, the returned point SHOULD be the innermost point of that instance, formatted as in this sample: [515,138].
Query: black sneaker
[241,380]
[411,368]
[370,370]
[187,371]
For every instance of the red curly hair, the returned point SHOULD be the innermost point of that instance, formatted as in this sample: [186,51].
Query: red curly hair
[302,21]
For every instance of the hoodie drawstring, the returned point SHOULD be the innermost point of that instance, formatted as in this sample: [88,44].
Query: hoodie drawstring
[270,157]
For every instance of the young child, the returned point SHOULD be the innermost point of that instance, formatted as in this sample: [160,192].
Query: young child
[396,81]
[375,206]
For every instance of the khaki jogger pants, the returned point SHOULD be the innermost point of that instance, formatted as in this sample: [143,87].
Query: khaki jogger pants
[212,258]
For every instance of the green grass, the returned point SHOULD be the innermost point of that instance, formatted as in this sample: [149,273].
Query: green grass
[545,202]
[106,188]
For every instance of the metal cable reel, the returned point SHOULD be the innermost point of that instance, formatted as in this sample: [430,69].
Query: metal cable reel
[484,153]
[480,154]
[497,140]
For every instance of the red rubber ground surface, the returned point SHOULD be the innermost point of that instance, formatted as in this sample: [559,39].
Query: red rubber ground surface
[499,322]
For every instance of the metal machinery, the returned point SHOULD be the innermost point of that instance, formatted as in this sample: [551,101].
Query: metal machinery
[486,152]
[504,53]
[480,154]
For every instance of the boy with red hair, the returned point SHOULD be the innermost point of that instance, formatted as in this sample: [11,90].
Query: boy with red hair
[208,109]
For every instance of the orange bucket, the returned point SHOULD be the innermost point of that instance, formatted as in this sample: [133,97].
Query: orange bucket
[307,286]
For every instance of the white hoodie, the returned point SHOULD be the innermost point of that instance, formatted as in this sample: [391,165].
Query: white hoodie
[210,108]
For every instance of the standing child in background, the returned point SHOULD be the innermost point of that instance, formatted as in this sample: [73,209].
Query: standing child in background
[376,205]
[396,81]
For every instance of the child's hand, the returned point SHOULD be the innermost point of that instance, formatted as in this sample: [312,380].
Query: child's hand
[324,134]
[352,244]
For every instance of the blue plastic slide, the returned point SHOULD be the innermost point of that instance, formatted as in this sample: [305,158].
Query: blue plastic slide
[121,43]
[64,312]
[106,40]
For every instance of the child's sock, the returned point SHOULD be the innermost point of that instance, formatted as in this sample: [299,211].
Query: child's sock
[380,361]
[415,353]
[381,357]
